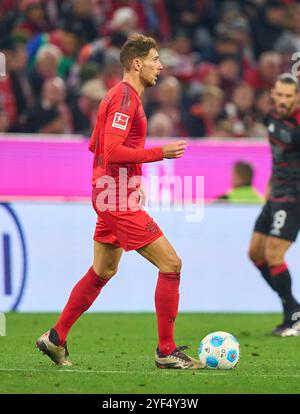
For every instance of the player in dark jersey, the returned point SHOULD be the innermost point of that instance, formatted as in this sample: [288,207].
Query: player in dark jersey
[118,145]
[278,224]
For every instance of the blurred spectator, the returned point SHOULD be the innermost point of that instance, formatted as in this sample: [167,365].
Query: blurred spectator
[32,19]
[67,38]
[242,185]
[185,68]
[224,45]
[112,68]
[15,92]
[50,114]
[124,21]
[262,107]
[169,59]
[8,16]
[263,104]
[268,26]
[84,108]
[98,59]
[156,19]
[239,112]
[46,66]
[187,16]
[160,125]
[82,12]
[202,116]
[234,25]
[131,19]
[290,39]
[22,88]
[208,74]
[55,91]
[167,102]
[268,69]
[229,72]
[204,45]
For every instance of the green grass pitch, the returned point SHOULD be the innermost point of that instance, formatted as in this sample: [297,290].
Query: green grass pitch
[113,353]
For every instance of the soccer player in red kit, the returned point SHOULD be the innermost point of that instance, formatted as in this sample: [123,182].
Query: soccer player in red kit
[118,143]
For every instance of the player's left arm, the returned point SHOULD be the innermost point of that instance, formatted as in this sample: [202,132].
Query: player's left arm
[117,127]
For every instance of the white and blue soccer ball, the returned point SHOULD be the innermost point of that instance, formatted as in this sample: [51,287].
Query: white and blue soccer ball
[219,350]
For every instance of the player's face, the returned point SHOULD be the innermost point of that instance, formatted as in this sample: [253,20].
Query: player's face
[150,68]
[285,98]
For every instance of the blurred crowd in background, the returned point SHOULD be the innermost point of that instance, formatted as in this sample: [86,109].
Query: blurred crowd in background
[220,59]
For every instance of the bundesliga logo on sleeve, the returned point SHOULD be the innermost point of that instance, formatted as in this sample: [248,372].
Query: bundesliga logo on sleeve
[120,121]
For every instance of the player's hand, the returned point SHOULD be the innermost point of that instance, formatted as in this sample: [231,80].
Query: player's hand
[174,150]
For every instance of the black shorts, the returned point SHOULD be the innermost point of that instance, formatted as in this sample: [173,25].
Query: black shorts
[280,220]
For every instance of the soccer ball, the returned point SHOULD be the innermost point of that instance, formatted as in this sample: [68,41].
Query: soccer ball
[219,350]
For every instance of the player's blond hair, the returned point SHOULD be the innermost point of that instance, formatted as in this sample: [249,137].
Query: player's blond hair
[136,46]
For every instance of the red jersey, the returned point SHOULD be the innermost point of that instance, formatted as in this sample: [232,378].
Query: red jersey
[118,138]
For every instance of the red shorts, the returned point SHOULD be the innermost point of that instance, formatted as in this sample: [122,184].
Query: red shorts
[130,230]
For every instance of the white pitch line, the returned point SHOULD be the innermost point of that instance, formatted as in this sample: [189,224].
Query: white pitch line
[161,372]
[83,371]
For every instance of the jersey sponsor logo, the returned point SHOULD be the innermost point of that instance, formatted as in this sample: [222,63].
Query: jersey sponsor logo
[120,121]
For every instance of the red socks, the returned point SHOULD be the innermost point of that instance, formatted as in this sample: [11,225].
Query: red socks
[88,288]
[278,269]
[81,298]
[166,304]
